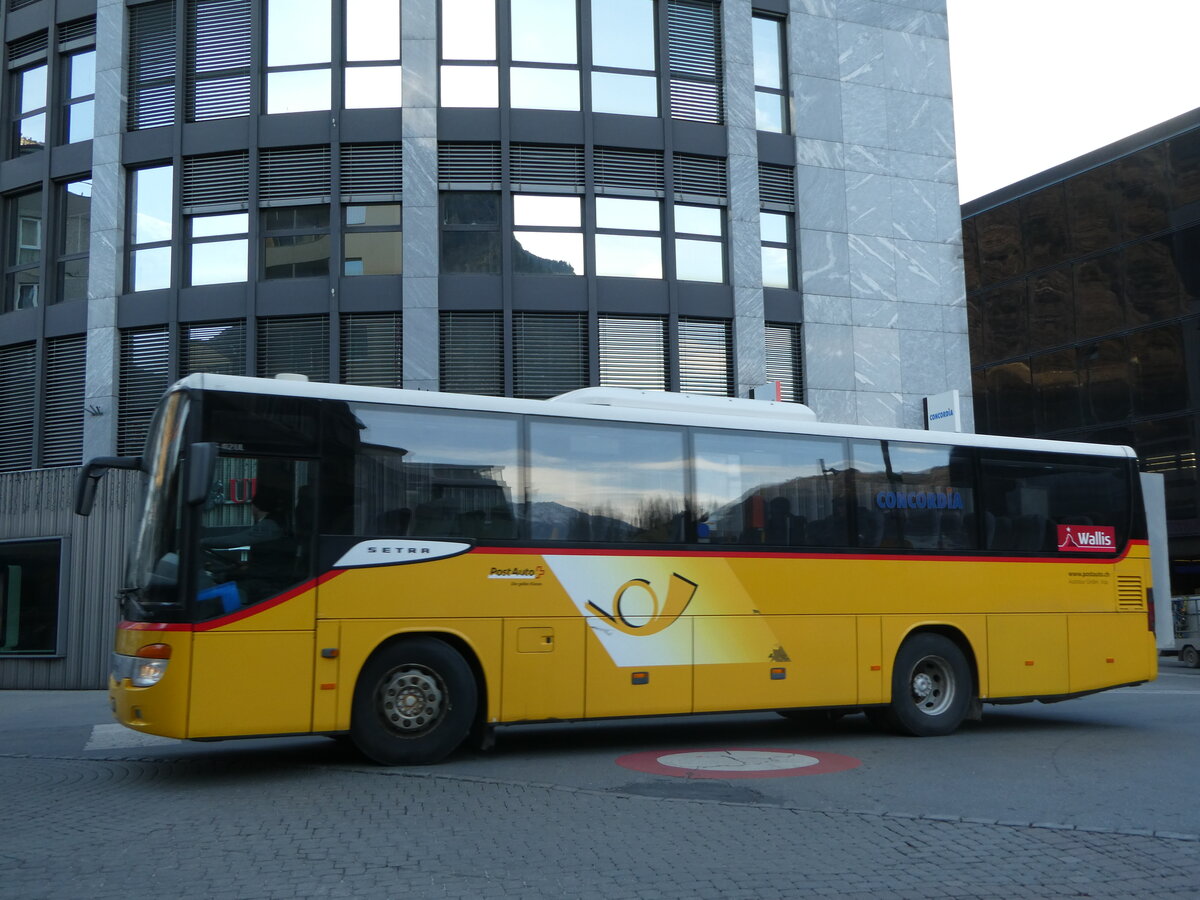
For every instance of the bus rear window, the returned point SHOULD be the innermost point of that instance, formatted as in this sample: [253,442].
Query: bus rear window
[1049,504]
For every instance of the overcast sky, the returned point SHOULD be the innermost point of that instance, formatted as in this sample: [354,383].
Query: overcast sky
[1039,82]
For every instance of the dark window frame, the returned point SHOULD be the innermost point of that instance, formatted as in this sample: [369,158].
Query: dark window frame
[58,649]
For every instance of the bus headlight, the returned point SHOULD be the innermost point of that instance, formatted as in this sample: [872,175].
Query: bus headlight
[148,672]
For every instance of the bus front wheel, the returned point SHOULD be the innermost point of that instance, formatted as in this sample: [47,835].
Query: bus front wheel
[414,703]
[1190,657]
[931,687]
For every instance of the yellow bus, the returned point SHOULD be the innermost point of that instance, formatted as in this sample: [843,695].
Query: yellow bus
[412,568]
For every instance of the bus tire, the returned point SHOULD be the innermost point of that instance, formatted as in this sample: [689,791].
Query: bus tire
[414,703]
[931,687]
[1190,657]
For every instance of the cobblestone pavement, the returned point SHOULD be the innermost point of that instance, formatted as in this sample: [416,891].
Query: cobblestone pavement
[318,824]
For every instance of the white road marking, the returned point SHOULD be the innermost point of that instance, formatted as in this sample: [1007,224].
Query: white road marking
[118,737]
[737,760]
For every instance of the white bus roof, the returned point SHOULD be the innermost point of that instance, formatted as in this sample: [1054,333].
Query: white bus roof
[649,407]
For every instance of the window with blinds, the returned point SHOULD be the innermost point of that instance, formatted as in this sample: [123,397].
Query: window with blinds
[784,360]
[472,353]
[696,60]
[777,184]
[62,413]
[294,173]
[218,347]
[218,59]
[705,357]
[532,166]
[372,171]
[219,181]
[468,166]
[549,353]
[297,344]
[625,170]
[143,375]
[633,352]
[18,377]
[372,347]
[151,85]
[707,176]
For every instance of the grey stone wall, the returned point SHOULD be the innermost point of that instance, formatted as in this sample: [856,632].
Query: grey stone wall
[879,227]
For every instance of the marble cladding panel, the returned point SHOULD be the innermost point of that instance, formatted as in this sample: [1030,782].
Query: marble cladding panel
[420,172]
[745,258]
[954,319]
[894,17]
[918,317]
[105,273]
[919,123]
[872,267]
[915,211]
[949,210]
[828,310]
[923,356]
[869,204]
[743,189]
[875,313]
[877,365]
[824,262]
[750,351]
[420,84]
[921,64]
[877,408]
[420,353]
[861,54]
[958,361]
[829,357]
[918,166]
[814,45]
[918,272]
[420,243]
[818,108]
[420,20]
[868,160]
[823,198]
[833,406]
[828,154]
[864,112]
[954,279]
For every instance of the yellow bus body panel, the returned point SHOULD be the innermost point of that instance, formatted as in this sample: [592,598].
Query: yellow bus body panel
[161,709]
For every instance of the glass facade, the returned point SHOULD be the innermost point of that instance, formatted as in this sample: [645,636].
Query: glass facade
[1084,304]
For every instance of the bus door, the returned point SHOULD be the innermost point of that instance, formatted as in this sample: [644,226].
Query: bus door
[253,650]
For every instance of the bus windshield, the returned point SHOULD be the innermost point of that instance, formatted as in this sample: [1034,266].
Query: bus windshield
[153,592]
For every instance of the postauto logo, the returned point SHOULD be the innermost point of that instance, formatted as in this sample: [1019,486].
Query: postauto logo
[1087,538]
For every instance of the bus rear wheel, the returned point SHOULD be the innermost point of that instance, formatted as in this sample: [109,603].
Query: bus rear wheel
[414,703]
[1190,657]
[931,687]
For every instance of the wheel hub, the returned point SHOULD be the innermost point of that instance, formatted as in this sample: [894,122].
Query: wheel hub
[412,700]
[932,685]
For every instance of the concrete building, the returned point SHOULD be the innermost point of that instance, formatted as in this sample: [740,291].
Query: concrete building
[1084,297]
[514,197]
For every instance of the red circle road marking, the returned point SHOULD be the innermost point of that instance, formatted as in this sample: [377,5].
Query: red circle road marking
[737,762]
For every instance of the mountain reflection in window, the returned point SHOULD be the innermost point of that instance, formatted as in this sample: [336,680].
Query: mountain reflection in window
[547,253]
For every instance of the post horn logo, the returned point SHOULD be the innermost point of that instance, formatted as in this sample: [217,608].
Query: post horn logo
[661,613]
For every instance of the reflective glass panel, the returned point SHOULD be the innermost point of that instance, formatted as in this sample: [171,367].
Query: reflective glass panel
[1051,308]
[231,223]
[1155,287]
[1160,371]
[77,224]
[627,95]
[298,32]
[1044,226]
[699,260]
[152,205]
[623,34]
[307,90]
[1006,320]
[73,280]
[296,218]
[544,88]
[536,209]
[628,215]
[470,208]
[547,253]
[698,220]
[373,253]
[768,52]
[774,227]
[1107,389]
[296,256]
[31,134]
[1056,383]
[470,252]
[599,482]
[373,30]
[150,269]
[381,214]
[544,31]
[26,240]
[768,111]
[82,78]
[80,119]
[470,86]
[219,262]
[630,256]
[32,89]
[776,267]
[1010,396]
[1098,296]
[468,30]
[373,87]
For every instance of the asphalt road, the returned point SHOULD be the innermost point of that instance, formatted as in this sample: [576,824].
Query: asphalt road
[1095,797]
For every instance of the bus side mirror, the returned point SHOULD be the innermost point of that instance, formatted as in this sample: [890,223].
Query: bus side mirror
[93,471]
[202,468]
